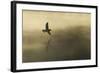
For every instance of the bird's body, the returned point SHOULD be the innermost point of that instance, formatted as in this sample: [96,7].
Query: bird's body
[47,29]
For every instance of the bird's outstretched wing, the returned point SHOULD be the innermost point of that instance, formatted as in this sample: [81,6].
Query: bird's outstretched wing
[47,26]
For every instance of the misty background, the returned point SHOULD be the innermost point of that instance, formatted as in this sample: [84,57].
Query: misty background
[69,39]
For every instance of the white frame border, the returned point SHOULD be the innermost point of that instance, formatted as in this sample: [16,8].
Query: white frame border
[37,65]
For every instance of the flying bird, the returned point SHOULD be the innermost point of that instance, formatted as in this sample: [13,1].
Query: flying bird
[47,29]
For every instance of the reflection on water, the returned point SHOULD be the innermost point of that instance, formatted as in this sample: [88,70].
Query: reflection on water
[72,43]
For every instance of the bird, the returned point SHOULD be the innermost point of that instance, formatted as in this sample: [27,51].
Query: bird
[47,29]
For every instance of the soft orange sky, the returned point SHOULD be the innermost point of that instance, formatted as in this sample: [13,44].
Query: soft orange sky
[36,20]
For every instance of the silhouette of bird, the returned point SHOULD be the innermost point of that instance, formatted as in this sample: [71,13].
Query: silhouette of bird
[47,29]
